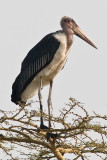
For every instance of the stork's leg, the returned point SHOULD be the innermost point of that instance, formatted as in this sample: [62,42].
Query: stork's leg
[40,100]
[42,126]
[50,102]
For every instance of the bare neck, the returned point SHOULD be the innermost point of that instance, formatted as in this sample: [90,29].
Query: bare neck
[69,40]
[69,35]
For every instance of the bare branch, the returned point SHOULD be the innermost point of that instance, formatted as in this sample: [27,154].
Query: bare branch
[77,134]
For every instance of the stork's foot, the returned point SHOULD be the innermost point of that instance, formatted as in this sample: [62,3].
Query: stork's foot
[51,135]
[48,134]
[42,126]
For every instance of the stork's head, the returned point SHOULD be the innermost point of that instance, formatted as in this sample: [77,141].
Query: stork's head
[70,27]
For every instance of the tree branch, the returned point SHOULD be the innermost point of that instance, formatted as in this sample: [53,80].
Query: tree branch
[74,133]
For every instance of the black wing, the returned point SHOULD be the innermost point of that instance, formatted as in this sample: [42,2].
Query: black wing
[37,59]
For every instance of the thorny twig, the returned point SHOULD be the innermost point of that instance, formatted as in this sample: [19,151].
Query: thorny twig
[21,129]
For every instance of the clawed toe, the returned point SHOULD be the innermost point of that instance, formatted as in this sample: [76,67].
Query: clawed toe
[51,135]
[48,134]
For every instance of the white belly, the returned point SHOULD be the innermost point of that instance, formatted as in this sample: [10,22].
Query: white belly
[49,72]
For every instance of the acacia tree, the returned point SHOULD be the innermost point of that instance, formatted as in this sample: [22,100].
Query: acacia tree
[75,134]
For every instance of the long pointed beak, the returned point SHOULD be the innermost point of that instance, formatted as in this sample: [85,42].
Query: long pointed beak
[78,32]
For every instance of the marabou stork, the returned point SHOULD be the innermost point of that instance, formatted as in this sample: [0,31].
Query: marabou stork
[43,63]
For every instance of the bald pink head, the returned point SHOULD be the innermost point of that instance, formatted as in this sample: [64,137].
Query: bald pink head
[70,27]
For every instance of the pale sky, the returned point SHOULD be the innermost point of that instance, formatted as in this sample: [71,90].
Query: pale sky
[84,77]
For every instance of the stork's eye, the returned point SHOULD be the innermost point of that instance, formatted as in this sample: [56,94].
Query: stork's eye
[67,20]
